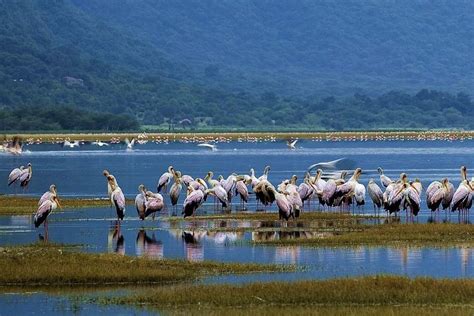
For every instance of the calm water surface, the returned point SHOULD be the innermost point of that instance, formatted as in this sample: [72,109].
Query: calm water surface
[77,172]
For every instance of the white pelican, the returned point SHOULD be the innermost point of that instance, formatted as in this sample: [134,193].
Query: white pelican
[212,147]
[130,144]
[292,144]
[100,143]
[71,145]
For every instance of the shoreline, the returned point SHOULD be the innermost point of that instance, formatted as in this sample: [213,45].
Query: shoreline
[188,136]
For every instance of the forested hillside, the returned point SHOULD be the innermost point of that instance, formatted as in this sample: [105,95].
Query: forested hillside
[309,46]
[238,64]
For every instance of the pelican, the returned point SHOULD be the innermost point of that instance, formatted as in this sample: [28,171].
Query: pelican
[193,201]
[130,144]
[116,197]
[209,146]
[47,195]
[375,194]
[165,179]
[14,175]
[71,145]
[383,178]
[291,144]
[334,164]
[100,143]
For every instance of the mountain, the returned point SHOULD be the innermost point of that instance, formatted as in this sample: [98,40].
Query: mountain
[234,64]
[306,46]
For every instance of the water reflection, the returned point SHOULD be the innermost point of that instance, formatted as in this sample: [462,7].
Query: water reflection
[193,248]
[148,247]
[115,240]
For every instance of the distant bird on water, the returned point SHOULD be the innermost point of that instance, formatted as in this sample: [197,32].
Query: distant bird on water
[292,144]
[209,146]
[100,143]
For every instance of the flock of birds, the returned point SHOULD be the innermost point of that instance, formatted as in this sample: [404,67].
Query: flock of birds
[333,192]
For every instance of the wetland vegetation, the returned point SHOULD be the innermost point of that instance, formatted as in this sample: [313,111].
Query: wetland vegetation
[374,292]
[58,265]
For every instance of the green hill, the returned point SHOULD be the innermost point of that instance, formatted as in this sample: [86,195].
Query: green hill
[233,63]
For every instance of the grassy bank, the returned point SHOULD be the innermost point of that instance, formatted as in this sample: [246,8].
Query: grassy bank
[442,234]
[249,136]
[16,205]
[43,264]
[377,292]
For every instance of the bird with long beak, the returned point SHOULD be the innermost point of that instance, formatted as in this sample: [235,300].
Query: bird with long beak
[116,197]
[46,208]
[165,179]
[46,196]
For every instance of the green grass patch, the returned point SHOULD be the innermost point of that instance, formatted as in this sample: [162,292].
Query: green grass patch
[440,234]
[45,264]
[21,205]
[358,292]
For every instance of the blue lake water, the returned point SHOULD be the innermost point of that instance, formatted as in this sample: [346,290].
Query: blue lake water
[78,172]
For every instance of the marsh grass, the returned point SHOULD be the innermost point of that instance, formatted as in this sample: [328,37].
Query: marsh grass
[440,234]
[46,264]
[22,205]
[358,292]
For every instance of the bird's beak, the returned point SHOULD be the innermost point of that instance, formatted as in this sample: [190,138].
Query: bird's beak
[59,204]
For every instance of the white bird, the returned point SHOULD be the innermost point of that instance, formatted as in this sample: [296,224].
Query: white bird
[71,145]
[14,175]
[291,144]
[130,144]
[209,146]
[100,143]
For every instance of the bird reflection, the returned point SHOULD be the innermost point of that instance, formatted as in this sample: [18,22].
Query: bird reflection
[194,250]
[289,255]
[116,241]
[148,247]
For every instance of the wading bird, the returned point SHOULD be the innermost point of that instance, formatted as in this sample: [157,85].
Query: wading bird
[44,210]
[165,179]
[175,189]
[384,180]
[25,176]
[193,201]
[376,195]
[14,175]
[462,199]
[47,195]
[116,197]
